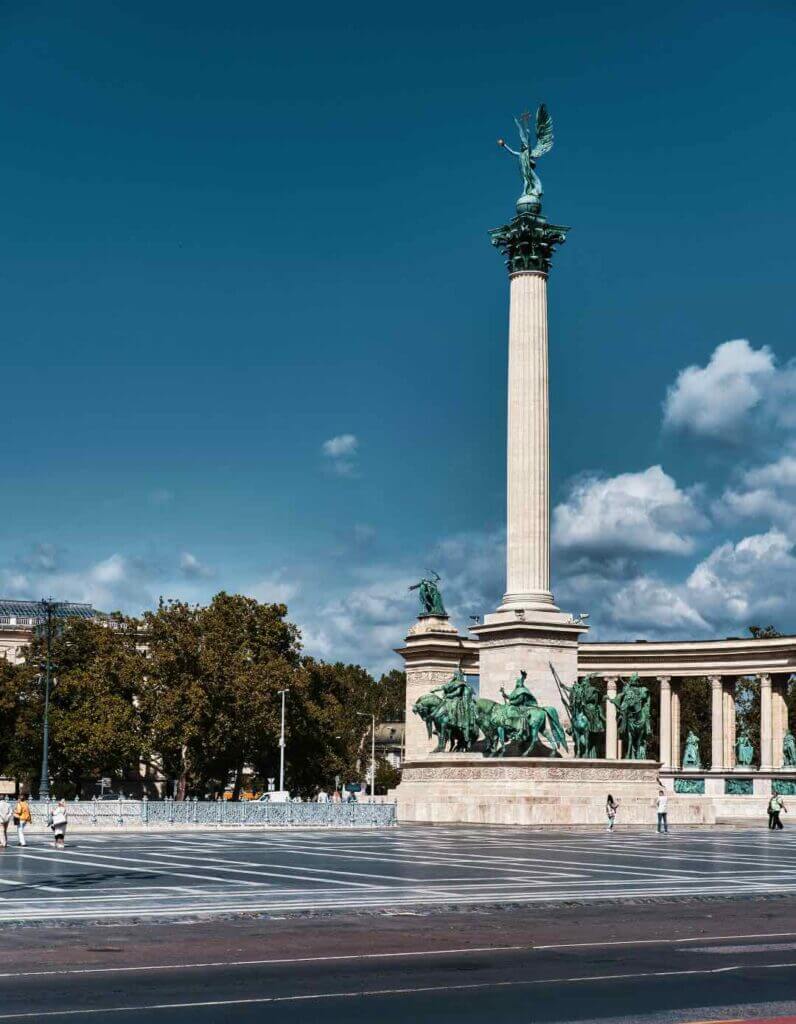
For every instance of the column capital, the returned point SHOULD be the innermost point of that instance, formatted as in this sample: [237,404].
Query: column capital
[664,680]
[764,678]
[528,242]
[715,682]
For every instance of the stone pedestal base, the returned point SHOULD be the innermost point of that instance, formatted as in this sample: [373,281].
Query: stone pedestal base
[509,641]
[532,791]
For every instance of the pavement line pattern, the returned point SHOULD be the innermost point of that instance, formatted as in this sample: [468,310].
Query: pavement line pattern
[412,867]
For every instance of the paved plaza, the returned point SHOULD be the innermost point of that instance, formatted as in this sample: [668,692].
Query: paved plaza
[404,868]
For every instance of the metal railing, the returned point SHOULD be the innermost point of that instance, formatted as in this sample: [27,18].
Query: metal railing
[209,813]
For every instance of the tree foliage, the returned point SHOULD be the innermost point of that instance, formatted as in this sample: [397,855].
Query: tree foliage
[192,692]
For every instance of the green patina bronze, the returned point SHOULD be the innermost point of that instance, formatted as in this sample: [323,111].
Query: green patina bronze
[430,596]
[583,704]
[689,786]
[744,750]
[528,154]
[783,787]
[738,787]
[451,713]
[788,750]
[528,241]
[634,718]
[691,758]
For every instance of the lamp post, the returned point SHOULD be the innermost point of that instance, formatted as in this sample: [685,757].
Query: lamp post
[372,752]
[48,606]
[282,745]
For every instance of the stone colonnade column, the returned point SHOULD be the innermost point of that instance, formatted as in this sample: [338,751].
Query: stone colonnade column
[716,723]
[528,469]
[611,736]
[779,717]
[676,753]
[665,725]
[765,722]
[728,686]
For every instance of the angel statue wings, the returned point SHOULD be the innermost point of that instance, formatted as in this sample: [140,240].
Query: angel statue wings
[529,154]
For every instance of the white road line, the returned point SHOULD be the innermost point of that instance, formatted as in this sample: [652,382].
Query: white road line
[264,963]
[365,993]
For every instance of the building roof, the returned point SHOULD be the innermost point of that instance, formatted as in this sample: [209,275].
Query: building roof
[33,609]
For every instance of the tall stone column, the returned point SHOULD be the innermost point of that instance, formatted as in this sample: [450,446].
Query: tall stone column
[665,724]
[765,722]
[528,463]
[676,752]
[527,632]
[611,735]
[528,242]
[716,723]
[729,723]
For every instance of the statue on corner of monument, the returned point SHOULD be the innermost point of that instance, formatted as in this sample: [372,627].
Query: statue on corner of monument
[691,758]
[788,750]
[528,154]
[430,596]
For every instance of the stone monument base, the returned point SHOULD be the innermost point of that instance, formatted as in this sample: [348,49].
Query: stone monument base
[534,791]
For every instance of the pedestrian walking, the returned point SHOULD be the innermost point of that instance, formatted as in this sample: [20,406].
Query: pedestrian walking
[611,807]
[663,811]
[22,817]
[59,824]
[775,807]
[5,818]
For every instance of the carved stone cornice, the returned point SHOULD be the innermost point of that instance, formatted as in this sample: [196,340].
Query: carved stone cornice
[528,242]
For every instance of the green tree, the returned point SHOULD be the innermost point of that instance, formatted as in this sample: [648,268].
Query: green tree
[210,695]
[95,724]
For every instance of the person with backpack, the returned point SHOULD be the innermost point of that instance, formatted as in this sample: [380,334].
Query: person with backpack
[22,817]
[5,818]
[775,808]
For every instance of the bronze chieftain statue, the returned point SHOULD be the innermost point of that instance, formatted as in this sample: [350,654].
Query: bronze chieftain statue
[456,718]
[583,703]
[634,723]
[691,758]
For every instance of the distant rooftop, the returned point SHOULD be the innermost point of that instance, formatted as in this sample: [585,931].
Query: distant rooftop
[32,609]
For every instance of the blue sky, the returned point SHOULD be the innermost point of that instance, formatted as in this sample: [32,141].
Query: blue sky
[231,235]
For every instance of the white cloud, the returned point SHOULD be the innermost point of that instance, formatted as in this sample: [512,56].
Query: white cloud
[340,453]
[273,589]
[766,493]
[343,444]
[739,582]
[632,512]
[191,567]
[715,400]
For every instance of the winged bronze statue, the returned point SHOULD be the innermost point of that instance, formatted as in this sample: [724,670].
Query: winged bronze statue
[528,154]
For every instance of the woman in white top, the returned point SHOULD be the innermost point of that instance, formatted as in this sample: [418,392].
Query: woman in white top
[59,824]
[5,818]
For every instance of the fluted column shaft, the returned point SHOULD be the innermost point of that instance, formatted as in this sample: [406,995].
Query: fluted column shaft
[676,753]
[665,727]
[716,723]
[611,735]
[765,722]
[528,469]
[729,723]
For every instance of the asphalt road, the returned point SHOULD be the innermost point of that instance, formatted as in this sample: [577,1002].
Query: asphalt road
[680,961]
[106,877]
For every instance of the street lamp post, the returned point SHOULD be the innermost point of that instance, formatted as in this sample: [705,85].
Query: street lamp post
[372,752]
[282,745]
[48,606]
